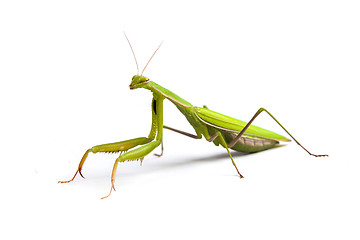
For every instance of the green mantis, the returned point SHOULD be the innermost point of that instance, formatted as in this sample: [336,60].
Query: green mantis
[222,130]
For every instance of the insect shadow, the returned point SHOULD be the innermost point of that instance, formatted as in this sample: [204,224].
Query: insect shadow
[163,164]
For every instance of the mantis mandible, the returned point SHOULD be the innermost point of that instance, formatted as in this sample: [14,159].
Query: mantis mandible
[222,130]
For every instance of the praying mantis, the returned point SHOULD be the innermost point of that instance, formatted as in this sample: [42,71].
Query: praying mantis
[217,128]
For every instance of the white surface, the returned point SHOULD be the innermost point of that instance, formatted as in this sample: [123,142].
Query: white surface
[65,71]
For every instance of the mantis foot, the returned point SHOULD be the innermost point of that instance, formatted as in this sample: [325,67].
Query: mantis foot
[112,187]
[162,150]
[321,155]
[241,176]
[77,171]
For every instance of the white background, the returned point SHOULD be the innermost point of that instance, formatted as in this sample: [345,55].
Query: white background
[65,67]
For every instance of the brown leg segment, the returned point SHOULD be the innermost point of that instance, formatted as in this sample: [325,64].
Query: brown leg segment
[79,168]
[162,150]
[182,132]
[110,148]
[112,179]
[233,142]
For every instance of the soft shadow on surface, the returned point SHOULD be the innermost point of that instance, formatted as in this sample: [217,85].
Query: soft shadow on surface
[209,158]
[159,165]
[218,156]
[152,164]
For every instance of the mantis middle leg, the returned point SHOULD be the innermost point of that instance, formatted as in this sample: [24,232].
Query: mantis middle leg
[224,144]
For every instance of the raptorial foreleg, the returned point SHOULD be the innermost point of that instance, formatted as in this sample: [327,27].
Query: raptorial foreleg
[109,148]
[136,154]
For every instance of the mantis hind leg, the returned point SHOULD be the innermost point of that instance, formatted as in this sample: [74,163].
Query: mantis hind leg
[233,142]
[136,154]
[224,144]
[109,148]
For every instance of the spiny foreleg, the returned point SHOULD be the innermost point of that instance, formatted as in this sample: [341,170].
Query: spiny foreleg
[136,154]
[121,147]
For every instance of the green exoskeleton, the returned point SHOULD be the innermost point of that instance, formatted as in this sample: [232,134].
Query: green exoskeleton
[222,130]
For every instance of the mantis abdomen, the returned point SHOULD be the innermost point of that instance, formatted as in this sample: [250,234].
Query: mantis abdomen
[249,144]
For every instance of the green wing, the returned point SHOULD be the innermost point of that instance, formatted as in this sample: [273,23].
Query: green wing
[233,124]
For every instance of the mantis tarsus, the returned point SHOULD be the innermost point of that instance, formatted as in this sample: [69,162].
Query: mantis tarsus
[215,127]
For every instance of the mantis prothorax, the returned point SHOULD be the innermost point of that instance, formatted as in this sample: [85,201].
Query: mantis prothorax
[222,130]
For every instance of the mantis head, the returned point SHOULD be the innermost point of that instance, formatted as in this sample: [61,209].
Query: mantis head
[138,81]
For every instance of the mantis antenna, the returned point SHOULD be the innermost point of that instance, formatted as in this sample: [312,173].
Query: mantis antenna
[132,50]
[151,58]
